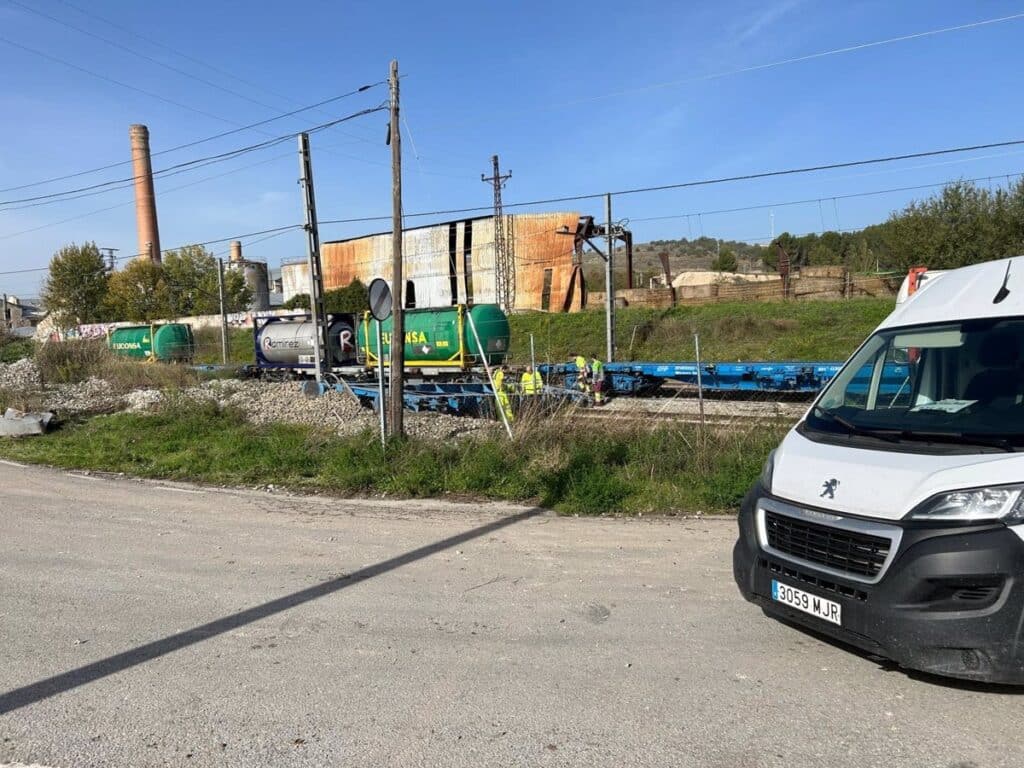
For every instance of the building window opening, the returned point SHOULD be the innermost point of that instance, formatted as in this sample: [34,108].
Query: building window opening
[467,258]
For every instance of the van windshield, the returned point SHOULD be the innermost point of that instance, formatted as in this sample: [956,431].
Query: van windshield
[950,383]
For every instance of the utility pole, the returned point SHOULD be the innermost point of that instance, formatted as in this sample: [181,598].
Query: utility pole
[397,346]
[504,258]
[6,316]
[110,257]
[316,278]
[609,284]
[223,313]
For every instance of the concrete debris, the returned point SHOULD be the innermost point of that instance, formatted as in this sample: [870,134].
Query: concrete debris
[20,376]
[91,396]
[20,424]
[277,402]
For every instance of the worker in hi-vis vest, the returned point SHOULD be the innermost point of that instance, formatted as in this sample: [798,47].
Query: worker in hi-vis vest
[532,383]
[501,395]
[597,376]
[582,374]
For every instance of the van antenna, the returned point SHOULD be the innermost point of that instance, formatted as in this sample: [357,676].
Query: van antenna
[1003,291]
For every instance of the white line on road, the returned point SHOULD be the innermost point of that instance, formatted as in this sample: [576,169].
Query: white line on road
[176,490]
[10,464]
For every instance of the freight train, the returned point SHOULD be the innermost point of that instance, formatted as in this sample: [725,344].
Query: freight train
[439,342]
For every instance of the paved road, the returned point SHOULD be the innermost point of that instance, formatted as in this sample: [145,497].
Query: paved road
[145,625]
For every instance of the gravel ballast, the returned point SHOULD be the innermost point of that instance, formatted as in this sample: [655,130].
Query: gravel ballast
[260,402]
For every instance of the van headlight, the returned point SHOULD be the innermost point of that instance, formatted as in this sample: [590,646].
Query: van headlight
[1004,502]
[767,471]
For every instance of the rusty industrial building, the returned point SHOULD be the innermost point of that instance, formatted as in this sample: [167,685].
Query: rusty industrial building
[454,262]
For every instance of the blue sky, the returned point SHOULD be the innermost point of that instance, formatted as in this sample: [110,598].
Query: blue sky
[572,96]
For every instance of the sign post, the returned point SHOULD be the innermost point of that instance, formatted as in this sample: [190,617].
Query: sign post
[380,300]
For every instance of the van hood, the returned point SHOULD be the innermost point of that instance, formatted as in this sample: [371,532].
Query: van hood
[879,483]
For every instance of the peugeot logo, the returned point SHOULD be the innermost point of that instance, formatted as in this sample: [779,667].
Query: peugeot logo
[828,488]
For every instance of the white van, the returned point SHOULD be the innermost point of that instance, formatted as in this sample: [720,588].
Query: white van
[892,516]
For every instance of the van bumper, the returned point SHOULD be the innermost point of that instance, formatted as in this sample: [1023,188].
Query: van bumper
[951,602]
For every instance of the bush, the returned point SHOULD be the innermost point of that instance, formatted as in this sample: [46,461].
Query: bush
[351,298]
[71,362]
[14,348]
[576,469]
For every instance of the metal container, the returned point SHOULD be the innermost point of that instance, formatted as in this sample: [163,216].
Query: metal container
[257,279]
[442,338]
[173,341]
[290,341]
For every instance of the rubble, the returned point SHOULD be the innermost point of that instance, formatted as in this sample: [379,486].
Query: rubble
[260,402]
[22,375]
[19,424]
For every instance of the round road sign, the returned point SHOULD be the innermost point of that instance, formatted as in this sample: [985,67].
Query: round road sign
[380,299]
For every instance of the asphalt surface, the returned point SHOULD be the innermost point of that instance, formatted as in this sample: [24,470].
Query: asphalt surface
[146,625]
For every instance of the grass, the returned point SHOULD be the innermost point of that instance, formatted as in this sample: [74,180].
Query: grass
[69,362]
[572,470]
[208,346]
[807,330]
[14,348]
[730,331]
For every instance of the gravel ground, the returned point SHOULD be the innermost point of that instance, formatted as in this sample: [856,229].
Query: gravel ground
[19,376]
[261,402]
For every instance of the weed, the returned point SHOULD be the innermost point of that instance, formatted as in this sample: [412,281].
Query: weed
[574,469]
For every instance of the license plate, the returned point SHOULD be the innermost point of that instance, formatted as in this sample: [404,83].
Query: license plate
[804,601]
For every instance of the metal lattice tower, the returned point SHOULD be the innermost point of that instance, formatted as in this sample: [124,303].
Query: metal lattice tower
[504,254]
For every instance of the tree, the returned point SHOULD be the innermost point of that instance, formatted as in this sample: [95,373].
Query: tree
[724,262]
[190,274]
[76,286]
[298,301]
[351,298]
[139,292]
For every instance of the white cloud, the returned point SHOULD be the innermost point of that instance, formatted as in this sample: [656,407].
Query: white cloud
[755,24]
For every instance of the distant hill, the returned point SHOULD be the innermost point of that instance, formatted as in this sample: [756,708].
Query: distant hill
[683,255]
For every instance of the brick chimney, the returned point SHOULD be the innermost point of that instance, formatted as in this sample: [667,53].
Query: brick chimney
[145,199]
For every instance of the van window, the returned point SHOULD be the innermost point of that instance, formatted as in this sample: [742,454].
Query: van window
[950,384]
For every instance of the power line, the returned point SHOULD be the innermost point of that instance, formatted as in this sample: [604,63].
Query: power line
[113,81]
[698,183]
[809,200]
[132,202]
[190,144]
[143,56]
[73,194]
[205,64]
[272,230]
[796,59]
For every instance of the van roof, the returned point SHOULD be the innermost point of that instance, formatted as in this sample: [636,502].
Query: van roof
[964,294]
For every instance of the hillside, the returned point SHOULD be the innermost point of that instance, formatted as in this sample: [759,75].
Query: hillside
[812,330]
[683,256]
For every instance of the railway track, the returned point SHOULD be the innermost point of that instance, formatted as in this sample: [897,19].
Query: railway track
[717,413]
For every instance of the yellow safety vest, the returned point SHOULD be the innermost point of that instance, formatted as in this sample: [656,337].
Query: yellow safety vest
[499,381]
[532,383]
[581,363]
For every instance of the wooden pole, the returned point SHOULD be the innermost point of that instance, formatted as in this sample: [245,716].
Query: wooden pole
[397,280]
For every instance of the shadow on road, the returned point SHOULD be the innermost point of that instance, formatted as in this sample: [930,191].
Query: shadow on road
[66,681]
[887,665]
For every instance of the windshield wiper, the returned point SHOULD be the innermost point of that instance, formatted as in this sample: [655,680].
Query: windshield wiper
[960,438]
[889,435]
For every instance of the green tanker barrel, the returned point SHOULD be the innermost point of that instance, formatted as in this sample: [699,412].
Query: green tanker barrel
[493,329]
[442,338]
[132,341]
[173,341]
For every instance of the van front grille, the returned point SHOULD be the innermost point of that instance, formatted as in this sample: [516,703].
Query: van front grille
[841,550]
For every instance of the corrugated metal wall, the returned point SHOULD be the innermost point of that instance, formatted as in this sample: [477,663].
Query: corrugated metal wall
[454,262]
